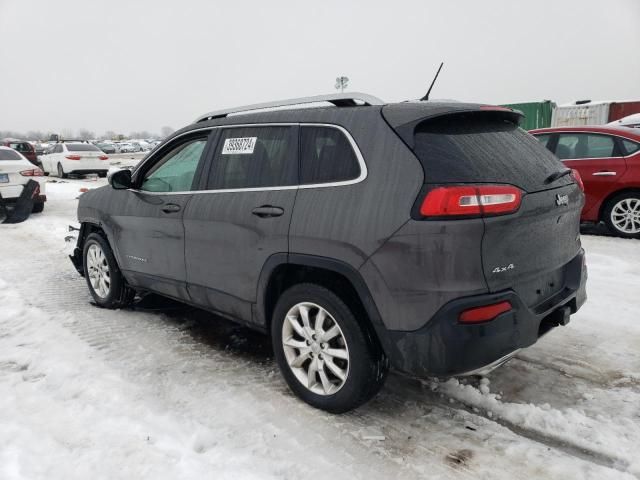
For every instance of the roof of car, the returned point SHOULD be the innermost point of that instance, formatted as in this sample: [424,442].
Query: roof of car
[632,133]
[397,114]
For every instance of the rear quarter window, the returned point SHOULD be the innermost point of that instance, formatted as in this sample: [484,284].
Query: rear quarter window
[326,155]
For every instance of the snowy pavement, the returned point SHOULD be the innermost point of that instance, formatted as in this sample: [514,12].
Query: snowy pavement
[174,392]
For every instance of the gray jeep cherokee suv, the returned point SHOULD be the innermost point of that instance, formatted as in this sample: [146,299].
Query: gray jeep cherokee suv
[435,238]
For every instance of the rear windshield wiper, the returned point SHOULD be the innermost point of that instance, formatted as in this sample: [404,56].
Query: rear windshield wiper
[557,175]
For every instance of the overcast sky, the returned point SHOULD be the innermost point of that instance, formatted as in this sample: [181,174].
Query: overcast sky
[142,64]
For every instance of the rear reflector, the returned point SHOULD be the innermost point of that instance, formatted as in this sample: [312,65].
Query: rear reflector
[103,157]
[576,176]
[73,157]
[476,200]
[485,313]
[36,172]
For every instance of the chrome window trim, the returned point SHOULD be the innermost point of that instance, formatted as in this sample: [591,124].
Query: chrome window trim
[568,132]
[363,166]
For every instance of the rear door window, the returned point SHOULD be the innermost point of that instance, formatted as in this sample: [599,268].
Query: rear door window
[326,155]
[21,147]
[255,157]
[482,148]
[584,145]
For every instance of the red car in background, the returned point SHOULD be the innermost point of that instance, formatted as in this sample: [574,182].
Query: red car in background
[608,160]
[23,147]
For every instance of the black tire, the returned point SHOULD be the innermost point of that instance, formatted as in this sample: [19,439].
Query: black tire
[119,293]
[609,207]
[367,365]
[38,207]
[61,173]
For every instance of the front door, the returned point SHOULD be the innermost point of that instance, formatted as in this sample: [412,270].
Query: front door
[242,218]
[148,228]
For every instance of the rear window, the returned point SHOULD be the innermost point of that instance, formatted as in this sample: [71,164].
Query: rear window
[9,155]
[481,148]
[20,146]
[82,147]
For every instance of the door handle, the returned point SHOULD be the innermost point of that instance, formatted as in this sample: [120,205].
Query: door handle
[604,174]
[267,211]
[171,208]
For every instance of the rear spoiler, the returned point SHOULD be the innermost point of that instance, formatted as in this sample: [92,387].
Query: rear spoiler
[404,117]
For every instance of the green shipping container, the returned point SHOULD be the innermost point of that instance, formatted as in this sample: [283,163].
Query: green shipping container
[537,114]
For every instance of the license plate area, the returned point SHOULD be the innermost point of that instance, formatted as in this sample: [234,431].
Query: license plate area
[4,178]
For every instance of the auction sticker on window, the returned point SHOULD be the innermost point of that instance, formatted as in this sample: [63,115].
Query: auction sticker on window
[235,146]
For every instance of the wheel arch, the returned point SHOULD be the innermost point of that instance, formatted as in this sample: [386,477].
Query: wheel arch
[612,195]
[87,227]
[282,271]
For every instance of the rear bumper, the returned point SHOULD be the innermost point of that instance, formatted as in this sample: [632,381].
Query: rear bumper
[445,347]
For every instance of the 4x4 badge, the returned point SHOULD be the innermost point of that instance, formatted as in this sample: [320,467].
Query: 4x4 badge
[562,199]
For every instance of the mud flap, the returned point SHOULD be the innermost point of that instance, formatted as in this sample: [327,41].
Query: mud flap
[24,205]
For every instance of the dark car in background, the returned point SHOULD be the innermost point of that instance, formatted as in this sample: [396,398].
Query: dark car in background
[608,160]
[436,238]
[108,148]
[23,147]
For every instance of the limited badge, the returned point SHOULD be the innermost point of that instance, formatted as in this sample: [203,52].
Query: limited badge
[237,146]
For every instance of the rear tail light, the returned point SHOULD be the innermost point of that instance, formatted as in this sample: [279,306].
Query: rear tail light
[484,313]
[476,200]
[103,157]
[36,172]
[576,176]
[73,157]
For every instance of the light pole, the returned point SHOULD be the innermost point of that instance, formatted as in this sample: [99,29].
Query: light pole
[341,83]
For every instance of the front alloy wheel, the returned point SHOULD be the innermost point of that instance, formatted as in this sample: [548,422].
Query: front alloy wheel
[98,271]
[315,348]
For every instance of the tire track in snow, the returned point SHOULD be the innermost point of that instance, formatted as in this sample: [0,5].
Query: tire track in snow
[163,349]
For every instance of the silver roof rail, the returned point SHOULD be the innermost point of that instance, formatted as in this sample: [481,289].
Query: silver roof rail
[338,99]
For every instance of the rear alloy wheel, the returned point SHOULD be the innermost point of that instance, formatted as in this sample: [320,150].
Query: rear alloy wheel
[326,356]
[61,173]
[104,279]
[622,215]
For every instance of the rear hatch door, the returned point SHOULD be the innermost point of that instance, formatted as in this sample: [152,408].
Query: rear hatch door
[526,251]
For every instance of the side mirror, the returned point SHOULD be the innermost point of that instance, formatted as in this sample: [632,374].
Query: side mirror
[120,180]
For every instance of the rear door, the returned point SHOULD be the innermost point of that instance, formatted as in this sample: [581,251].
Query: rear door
[526,250]
[242,217]
[598,160]
[147,219]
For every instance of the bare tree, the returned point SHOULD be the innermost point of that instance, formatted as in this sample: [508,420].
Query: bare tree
[166,131]
[85,134]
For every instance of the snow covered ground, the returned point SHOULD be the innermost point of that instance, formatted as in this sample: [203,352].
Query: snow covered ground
[174,392]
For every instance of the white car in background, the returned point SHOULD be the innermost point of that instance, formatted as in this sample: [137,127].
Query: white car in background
[631,121]
[126,147]
[74,158]
[15,172]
